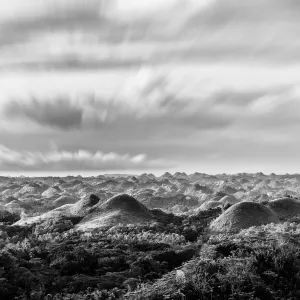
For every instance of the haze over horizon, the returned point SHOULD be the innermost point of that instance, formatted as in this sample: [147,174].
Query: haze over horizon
[125,86]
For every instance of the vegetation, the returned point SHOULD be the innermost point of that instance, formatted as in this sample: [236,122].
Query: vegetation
[257,263]
[51,260]
[175,258]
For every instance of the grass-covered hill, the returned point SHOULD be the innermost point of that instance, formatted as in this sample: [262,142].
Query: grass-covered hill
[122,209]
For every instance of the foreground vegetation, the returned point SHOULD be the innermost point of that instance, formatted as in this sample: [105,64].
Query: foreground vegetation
[257,263]
[53,261]
[175,259]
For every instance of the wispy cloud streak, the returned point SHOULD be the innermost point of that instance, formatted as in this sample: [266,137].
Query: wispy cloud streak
[59,160]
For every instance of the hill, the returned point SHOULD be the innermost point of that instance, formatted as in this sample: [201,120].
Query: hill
[122,209]
[243,215]
[285,207]
[79,210]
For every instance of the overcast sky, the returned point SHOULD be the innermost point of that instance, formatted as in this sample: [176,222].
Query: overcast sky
[149,86]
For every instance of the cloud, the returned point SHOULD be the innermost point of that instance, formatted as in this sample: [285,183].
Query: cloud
[14,11]
[81,160]
[148,98]
[277,110]
[264,31]
[154,103]
[151,103]
[147,95]
[247,118]
[260,30]
[220,131]
[59,113]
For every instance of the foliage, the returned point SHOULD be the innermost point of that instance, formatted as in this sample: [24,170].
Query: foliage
[257,263]
[51,260]
[175,260]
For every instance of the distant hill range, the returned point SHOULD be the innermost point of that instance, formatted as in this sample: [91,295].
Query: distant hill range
[179,193]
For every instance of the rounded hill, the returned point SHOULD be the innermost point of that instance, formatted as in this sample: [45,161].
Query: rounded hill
[285,207]
[120,209]
[79,209]
[243,215]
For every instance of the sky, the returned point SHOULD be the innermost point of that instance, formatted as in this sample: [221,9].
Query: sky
[134,86]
